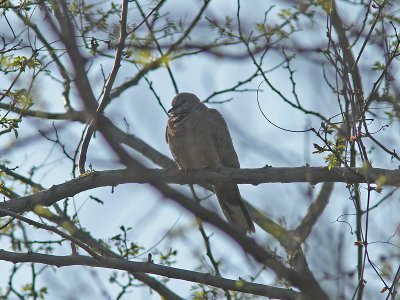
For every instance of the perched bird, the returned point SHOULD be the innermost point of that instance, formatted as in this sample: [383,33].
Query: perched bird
[198,138]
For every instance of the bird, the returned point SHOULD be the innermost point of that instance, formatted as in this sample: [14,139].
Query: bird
[199,138]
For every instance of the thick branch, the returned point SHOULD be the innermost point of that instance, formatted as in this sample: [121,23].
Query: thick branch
[96,179]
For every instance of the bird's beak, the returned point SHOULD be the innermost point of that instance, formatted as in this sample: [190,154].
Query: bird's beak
[171,111]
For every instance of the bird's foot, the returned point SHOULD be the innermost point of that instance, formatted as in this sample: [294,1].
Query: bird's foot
[172,170]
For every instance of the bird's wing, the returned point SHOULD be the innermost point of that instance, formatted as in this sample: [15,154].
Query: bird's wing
[222,139]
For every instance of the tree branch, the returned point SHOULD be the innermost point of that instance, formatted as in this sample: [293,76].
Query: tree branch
[152,268]
[313,213]
[96,179]
[107,88]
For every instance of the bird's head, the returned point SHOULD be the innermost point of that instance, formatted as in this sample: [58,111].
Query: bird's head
[184,103]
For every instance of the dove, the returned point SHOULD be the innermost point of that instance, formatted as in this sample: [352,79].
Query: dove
[199,138]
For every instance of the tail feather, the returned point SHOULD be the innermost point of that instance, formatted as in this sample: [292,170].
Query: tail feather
[233,207]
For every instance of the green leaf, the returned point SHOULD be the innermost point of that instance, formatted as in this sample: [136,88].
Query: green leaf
[285,13]
[378,66]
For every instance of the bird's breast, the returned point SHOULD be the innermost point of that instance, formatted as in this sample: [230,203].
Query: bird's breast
[191,143]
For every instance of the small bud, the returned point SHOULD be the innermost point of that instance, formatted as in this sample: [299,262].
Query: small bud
[358,243]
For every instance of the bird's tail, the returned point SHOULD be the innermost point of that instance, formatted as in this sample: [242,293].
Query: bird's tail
[233,207]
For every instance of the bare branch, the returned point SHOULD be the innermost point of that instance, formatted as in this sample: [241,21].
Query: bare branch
[312,175]
[152,268]
[313,213]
